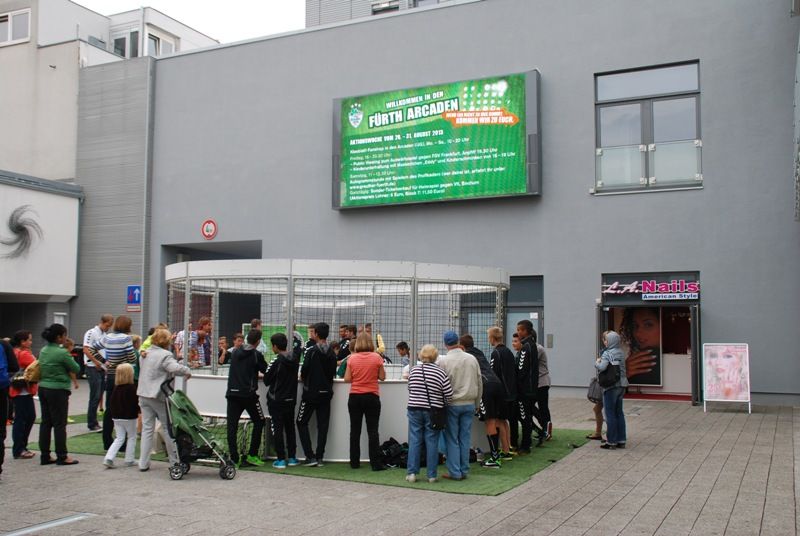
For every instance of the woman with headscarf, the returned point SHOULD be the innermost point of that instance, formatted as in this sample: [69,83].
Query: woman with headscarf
[612,396]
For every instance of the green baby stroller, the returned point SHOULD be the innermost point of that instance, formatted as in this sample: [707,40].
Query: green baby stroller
[195,442]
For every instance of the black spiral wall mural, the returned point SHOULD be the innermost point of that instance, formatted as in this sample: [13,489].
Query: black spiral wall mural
[23,231]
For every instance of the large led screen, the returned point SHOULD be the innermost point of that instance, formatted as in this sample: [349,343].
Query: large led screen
[461,140]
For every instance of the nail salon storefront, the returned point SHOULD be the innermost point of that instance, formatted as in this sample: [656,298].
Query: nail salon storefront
[658,317]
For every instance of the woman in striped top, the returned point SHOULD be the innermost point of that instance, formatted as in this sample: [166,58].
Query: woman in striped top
[425,382]
[118,345]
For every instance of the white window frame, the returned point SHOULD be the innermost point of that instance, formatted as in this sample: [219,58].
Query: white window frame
[10,15]
[125,34]
[160,37]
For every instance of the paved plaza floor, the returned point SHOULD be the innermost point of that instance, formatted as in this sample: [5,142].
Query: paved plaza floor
[684,472]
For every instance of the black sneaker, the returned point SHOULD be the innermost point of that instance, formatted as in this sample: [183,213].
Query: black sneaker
[311,462]
[608,446]
[620,445]
[492,463]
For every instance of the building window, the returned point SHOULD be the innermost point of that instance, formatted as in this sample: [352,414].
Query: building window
[120,46]
[15,27]
[134,42]
[385,6]
[159,46]
[423,3]
[648,129]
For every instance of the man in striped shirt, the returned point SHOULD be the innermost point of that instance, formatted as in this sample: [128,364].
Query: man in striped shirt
[94,369]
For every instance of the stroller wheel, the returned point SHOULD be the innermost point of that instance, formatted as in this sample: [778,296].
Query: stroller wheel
[227,472]
[186,466]
[176,472]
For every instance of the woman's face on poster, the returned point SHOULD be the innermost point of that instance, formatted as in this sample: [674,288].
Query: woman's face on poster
[646,328]
[724,362]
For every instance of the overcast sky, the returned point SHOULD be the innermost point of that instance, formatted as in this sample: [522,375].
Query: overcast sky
[226,21]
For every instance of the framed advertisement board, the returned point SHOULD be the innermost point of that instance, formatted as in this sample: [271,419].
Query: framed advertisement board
[726,373]
[452,141]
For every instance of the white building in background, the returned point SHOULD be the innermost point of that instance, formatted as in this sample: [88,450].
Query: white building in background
[43,45]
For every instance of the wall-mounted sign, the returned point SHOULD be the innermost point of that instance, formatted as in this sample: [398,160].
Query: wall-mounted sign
[636,288]
[460,140]
[726,373]
[134,299]
[209,229]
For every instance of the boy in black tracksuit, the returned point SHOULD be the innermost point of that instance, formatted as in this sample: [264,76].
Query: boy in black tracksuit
[281,382]
[242,395]
[527,384]
[317,372]
[504,366]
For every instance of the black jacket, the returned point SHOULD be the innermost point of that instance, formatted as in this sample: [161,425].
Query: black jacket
[487,374]
[528,369]
[246,363]
[317,372]
[344,349]
[281,378]
[505,367]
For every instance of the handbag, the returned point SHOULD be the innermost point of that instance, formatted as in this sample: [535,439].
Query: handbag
[18,380]
[608,377]
[595,393]
[438,415]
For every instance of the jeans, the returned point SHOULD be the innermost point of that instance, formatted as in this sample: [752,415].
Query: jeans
[108,422]
[323,410]
[152,409]
[457,435]
[615,418]
[419,430]
[95,378]
[55,407]
[252,406]
[25,412]
[282,423]
[125,430]
[364,406]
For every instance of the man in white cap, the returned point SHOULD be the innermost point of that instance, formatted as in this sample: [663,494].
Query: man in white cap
[465,378]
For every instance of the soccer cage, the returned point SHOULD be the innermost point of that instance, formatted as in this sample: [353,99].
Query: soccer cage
[403,301]
[410,302]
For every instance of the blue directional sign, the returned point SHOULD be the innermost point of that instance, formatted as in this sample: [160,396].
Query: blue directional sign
[134,298]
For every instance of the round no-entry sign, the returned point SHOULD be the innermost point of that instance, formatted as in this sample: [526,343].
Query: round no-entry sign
[209,229]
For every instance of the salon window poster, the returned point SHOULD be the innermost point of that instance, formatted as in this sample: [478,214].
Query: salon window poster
[726,372]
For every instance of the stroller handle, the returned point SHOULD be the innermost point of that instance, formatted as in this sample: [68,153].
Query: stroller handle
[167,388]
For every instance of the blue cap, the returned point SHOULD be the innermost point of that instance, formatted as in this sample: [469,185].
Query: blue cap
[450,338]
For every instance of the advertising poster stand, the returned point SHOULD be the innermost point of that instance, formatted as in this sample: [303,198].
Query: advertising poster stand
[726,373]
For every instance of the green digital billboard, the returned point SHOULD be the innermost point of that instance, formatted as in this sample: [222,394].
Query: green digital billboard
[460,140]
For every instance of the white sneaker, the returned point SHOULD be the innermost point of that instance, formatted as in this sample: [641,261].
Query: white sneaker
[108,463]
[433,480]
[130,464]
[411,478]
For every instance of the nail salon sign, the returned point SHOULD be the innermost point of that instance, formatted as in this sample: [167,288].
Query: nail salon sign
[650,287]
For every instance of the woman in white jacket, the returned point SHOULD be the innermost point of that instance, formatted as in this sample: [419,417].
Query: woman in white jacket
[156,367]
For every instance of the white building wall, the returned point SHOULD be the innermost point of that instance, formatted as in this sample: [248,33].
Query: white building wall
[40,109]
[50,266]
[62,20]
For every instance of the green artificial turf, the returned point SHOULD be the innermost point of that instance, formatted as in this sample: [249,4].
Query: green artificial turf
[481,481]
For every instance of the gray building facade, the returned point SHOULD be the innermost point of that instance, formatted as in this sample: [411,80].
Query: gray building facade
[242,135]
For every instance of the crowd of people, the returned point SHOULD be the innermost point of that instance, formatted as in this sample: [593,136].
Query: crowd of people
[505,390]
